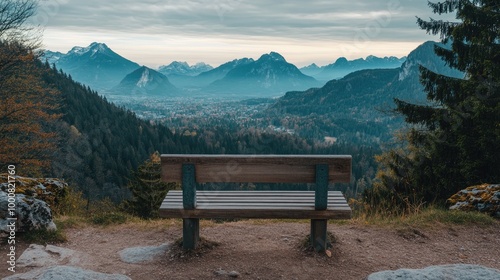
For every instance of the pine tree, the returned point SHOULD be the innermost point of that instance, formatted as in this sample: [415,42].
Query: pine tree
[454,141]
[148,191]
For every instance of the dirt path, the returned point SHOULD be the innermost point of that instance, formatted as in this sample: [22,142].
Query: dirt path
[271,250]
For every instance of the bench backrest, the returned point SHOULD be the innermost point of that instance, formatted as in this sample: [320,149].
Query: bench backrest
[257,168]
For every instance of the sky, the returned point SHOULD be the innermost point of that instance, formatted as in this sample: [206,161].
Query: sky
[157,32]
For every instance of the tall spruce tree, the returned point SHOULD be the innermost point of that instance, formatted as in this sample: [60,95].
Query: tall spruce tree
[454,141]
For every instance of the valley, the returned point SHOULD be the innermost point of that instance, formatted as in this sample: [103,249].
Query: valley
[243,106]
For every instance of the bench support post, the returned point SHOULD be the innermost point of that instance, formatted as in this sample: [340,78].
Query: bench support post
[190,233]
[319,237]
[319,226]
[190,226]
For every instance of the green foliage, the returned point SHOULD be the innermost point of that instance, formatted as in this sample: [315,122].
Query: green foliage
[453,142]
[148,191]
[43,236]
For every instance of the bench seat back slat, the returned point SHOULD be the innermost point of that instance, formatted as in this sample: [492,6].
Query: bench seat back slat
[257,169]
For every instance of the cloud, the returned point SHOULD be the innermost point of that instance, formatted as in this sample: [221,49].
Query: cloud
[268,22]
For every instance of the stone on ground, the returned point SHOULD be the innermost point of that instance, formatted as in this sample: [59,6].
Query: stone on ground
[65,273]
[45,256]
[143,254]
[483,198]
[453,271]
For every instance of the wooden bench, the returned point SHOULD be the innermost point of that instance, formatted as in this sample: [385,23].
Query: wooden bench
[319,205]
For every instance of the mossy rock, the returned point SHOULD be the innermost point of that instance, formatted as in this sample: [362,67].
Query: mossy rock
[483,198]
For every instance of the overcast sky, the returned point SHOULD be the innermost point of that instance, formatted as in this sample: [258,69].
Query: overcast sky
[157,32]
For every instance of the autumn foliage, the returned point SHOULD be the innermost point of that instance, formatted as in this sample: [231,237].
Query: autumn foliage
[28,105]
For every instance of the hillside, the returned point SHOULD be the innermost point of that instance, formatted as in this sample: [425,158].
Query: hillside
[100,142]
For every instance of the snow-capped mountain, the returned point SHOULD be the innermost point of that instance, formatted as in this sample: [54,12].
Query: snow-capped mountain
[51,57]
[270,74]
[342,66]
[96,65]
[183,68]
[145,81]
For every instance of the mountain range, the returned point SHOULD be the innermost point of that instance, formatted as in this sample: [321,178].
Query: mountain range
[342,66]
[183,68]
[104,70]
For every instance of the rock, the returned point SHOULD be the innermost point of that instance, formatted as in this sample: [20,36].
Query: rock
[31,213]
[64,273]
[220,272]
[143,254]
[46,189]
[484,198]
[234,274]
[45,256]
[453,271]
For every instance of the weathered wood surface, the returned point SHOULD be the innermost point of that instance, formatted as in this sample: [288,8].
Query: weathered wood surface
[257,169]
[256,204]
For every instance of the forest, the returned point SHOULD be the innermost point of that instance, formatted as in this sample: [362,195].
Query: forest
[53,126]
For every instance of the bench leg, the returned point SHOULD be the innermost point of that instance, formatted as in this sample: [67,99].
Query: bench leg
[190,233]
[318,234]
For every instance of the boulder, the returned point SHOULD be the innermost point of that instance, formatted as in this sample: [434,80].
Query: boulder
[33,198]
[31,213]
[453,271]
[483,198]
[46,189]
[50,255]
[65,272]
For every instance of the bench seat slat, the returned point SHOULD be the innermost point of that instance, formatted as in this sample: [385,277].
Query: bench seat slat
[254,213]
[255,204]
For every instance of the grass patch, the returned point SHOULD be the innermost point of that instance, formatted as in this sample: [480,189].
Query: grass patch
[426,217]
[43,236]
[65,222]
[109,218]
[451,217]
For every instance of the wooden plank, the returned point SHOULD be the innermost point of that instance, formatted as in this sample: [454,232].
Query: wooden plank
[266,193]
[257,169]
[256,206]
[256,213]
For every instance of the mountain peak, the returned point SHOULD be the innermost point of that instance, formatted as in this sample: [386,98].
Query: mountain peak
[274,56]
[93,48]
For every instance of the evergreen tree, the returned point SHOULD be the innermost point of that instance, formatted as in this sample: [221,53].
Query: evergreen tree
[148,191]
[454,140]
